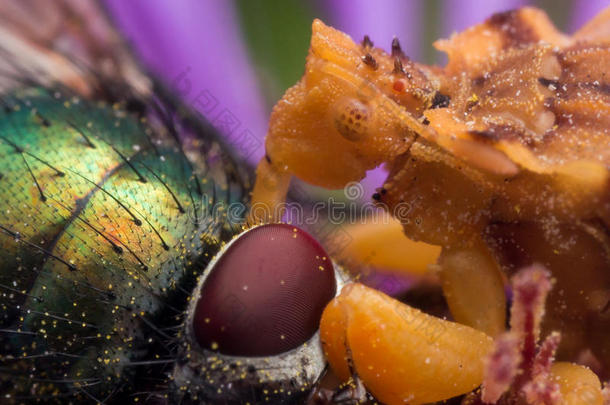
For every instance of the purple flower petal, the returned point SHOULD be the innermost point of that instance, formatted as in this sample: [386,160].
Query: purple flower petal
[388,282]
[380,20]
[374,179]
[198,47]
[459,15]
[584,10]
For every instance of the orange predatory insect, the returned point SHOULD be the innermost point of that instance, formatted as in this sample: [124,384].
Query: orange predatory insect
[503,156]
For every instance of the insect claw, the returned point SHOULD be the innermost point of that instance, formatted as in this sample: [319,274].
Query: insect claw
[352,393]
[366,42]
[369,60]
[320,396]
[396,49]
[398,69]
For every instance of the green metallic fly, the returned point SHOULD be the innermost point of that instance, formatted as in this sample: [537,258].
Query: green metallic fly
[121,273]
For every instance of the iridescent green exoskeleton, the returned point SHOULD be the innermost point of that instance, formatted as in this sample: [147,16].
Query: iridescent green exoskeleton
[104,227]
[120,208]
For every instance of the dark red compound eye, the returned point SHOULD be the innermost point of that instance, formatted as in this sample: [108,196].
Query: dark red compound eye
[265,294]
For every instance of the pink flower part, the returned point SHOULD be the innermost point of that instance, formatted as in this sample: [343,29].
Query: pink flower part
[530,288]
[541,389]
[502,366]
[546,355]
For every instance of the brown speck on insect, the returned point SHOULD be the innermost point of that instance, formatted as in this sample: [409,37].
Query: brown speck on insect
[370,61]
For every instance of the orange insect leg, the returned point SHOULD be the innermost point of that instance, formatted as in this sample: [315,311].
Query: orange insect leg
[401,354]
[380,243]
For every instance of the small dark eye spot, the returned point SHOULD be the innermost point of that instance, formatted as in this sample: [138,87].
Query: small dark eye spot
[352,116]
[370,61]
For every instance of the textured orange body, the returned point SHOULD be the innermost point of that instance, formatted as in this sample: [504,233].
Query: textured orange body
[402,354]
[578,385]
[502,155]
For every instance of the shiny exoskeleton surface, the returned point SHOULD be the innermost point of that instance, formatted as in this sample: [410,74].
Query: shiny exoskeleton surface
[104,226]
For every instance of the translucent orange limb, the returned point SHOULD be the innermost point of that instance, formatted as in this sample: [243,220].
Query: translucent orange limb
[380,243]
[269,194]
[401,354]
[474,288]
